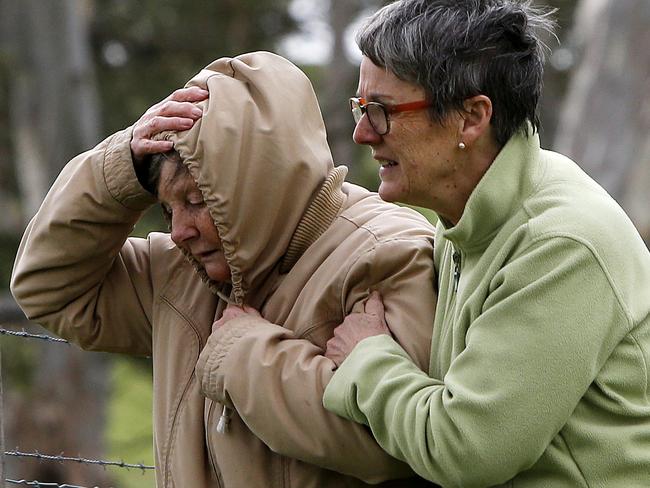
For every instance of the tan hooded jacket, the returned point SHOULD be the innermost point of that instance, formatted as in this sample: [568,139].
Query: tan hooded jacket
[303,247]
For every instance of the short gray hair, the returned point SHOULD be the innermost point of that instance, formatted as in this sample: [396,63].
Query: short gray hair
[457,49]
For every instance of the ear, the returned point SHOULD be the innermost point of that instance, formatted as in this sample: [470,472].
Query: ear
[476,118]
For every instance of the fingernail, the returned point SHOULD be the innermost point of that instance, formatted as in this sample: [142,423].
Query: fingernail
[197,112]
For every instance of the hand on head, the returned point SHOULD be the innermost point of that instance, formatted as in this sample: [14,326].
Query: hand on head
[176,112]
[357,327]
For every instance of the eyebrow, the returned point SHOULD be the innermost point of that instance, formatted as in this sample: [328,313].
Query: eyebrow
[180,168]
[376,97]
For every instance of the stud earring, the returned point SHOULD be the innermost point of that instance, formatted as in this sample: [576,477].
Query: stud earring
[461,145]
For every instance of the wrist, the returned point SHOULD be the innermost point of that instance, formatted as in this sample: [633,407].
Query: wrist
[120,173]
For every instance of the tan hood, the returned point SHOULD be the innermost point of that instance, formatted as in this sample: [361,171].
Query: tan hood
[259,155]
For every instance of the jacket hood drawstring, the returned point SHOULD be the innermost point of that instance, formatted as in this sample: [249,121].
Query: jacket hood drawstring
[224,420]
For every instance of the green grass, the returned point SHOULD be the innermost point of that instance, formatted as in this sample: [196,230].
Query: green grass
[129,433]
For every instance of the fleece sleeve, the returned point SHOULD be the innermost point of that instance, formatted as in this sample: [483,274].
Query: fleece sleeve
[76,272]
[550,321]
[275,381]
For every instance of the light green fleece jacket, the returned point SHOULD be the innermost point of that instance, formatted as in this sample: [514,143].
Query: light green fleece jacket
[539,372]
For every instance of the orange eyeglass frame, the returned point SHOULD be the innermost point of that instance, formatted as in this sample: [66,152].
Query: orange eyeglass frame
[358,106]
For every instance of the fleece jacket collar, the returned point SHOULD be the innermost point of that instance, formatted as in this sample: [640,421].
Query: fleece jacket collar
[502,190]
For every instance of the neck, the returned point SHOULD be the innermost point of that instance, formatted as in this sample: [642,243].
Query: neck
[475,162]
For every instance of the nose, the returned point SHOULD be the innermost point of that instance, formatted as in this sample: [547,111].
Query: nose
[183,228]
[364,133]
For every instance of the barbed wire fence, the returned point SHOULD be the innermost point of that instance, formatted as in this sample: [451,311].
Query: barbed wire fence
[59,458]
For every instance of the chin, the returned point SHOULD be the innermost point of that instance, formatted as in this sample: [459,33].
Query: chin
[219,273]
[219,277]
[388,194]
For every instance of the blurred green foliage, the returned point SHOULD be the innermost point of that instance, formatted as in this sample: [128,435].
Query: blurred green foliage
[18,360]
[151,221]
[129,423]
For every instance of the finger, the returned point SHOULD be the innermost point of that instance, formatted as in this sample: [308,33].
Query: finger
[328,347]
[189,94]
[175,113]
[217,324]
[151,147]
[331,348]
[142,142]
[251,311]
[172,108]
[232,312]
[159,124]
[334,355]
[374,305]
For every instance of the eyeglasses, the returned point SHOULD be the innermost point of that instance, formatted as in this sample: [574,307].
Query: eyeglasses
[378,113]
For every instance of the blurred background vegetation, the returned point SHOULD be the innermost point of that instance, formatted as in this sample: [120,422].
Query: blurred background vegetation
[74,71]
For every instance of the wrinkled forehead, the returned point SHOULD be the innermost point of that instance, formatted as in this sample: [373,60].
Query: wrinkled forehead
[379,84]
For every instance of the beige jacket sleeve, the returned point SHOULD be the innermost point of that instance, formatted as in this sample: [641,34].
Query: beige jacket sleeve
[76,273]
[276,381]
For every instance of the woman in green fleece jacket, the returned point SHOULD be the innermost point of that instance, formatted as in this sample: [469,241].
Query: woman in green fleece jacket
[539,371]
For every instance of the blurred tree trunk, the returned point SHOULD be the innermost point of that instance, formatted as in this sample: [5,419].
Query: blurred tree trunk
[53,103]
[54,115]
[605,121]
[559,61]
[340,84]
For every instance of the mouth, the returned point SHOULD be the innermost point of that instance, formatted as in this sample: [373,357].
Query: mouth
[201,256]
[387,163]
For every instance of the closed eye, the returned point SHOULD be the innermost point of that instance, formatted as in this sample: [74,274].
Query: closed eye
[196,204]
[195,199]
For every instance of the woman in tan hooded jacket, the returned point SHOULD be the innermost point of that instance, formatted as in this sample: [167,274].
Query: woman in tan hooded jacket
[302,246]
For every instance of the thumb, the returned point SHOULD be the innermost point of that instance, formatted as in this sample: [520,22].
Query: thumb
[374,305]
[232,311]
[250,310]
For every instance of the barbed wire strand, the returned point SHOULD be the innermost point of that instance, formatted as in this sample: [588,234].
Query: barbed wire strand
[32,336]
[38,484]
[61,458]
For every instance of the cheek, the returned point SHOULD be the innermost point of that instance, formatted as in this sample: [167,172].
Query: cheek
[218,269]
[209,230]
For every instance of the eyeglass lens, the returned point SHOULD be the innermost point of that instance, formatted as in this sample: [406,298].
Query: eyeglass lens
[376,115]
